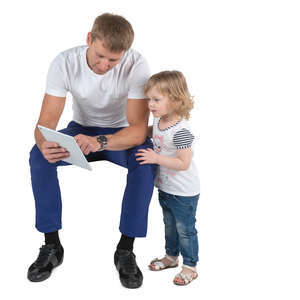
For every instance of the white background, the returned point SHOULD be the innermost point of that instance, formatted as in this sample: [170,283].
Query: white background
[241,61]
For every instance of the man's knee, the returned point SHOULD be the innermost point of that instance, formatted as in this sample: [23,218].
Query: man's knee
[133,163]
[145,170]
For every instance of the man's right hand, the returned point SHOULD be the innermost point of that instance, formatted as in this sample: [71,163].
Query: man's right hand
[53,152]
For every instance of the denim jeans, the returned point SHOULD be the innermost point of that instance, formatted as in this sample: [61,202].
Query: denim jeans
[137,195]
[179,214]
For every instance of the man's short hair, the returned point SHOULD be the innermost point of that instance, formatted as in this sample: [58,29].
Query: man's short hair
[114,30]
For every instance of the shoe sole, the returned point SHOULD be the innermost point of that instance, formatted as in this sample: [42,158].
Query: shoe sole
[131,287]
[161,269]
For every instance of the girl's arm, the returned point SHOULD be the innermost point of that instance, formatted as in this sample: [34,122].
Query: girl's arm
[179,163]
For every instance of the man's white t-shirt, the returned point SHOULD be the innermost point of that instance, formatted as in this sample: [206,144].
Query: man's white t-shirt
[166,142]
[98,100]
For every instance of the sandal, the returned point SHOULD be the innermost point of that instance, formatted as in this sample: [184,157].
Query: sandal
[157,264]
[186,277]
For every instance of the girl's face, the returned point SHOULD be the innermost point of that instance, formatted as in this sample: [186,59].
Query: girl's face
[158,104]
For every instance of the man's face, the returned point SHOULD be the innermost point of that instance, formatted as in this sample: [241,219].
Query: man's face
[99,58]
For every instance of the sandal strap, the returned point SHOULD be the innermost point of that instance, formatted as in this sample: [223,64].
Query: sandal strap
[154,260]
[171,259]
[191,268]
[158,264]
[187,278]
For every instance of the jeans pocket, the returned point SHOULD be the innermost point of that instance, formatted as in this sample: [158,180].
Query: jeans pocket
[184,201]
[187,201]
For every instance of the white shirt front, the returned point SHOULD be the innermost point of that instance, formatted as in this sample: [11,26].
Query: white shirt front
[166,142]
[98,100]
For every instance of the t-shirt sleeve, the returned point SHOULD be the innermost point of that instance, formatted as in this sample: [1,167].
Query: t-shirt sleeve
[139,75]
[183,139]
[56,78]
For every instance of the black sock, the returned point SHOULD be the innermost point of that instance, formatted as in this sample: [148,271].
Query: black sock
[52,238]
[126,243]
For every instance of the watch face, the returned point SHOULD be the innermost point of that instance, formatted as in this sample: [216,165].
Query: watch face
[102,139]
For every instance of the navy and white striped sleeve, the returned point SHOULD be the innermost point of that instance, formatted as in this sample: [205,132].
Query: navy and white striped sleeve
[183,139]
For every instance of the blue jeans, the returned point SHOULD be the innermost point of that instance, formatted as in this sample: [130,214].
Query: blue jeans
[179,214]
[137,195]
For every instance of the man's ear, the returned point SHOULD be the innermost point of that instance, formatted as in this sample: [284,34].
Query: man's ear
[89,39]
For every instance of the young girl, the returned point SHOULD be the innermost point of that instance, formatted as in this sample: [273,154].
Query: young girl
[177,177]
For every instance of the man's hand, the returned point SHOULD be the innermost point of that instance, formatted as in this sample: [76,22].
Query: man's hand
[87,143]
[53,152]
[147,156]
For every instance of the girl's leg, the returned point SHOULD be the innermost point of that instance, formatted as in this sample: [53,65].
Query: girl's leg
[184,210]
[171,235]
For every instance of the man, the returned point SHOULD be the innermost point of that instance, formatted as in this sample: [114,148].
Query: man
[106,79]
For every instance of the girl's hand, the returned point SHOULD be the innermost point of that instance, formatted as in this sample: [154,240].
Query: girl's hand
[147,156]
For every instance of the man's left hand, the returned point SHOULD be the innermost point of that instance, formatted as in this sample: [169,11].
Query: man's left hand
[87,143]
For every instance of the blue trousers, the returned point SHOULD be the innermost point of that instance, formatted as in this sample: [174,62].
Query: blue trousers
[137,195]
[180,233]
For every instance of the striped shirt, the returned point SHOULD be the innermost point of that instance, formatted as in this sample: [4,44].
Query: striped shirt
[183,139]
[167,142]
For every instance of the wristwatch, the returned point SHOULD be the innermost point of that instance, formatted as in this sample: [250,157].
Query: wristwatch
[102,139]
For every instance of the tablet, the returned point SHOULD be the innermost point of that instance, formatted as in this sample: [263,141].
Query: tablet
[68,142]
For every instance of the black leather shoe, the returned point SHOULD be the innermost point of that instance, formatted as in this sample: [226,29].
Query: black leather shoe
[50,256]
[130,275]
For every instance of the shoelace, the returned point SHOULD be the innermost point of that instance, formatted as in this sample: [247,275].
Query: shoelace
[128,262]
[45,252]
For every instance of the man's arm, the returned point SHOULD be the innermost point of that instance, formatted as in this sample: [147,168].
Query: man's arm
[137,113]
[150,131]
[136,133]
[50,114]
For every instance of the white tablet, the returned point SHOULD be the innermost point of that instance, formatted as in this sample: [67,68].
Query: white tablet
[68,142]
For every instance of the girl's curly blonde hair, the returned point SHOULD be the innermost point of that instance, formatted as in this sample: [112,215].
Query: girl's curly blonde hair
[173,85]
